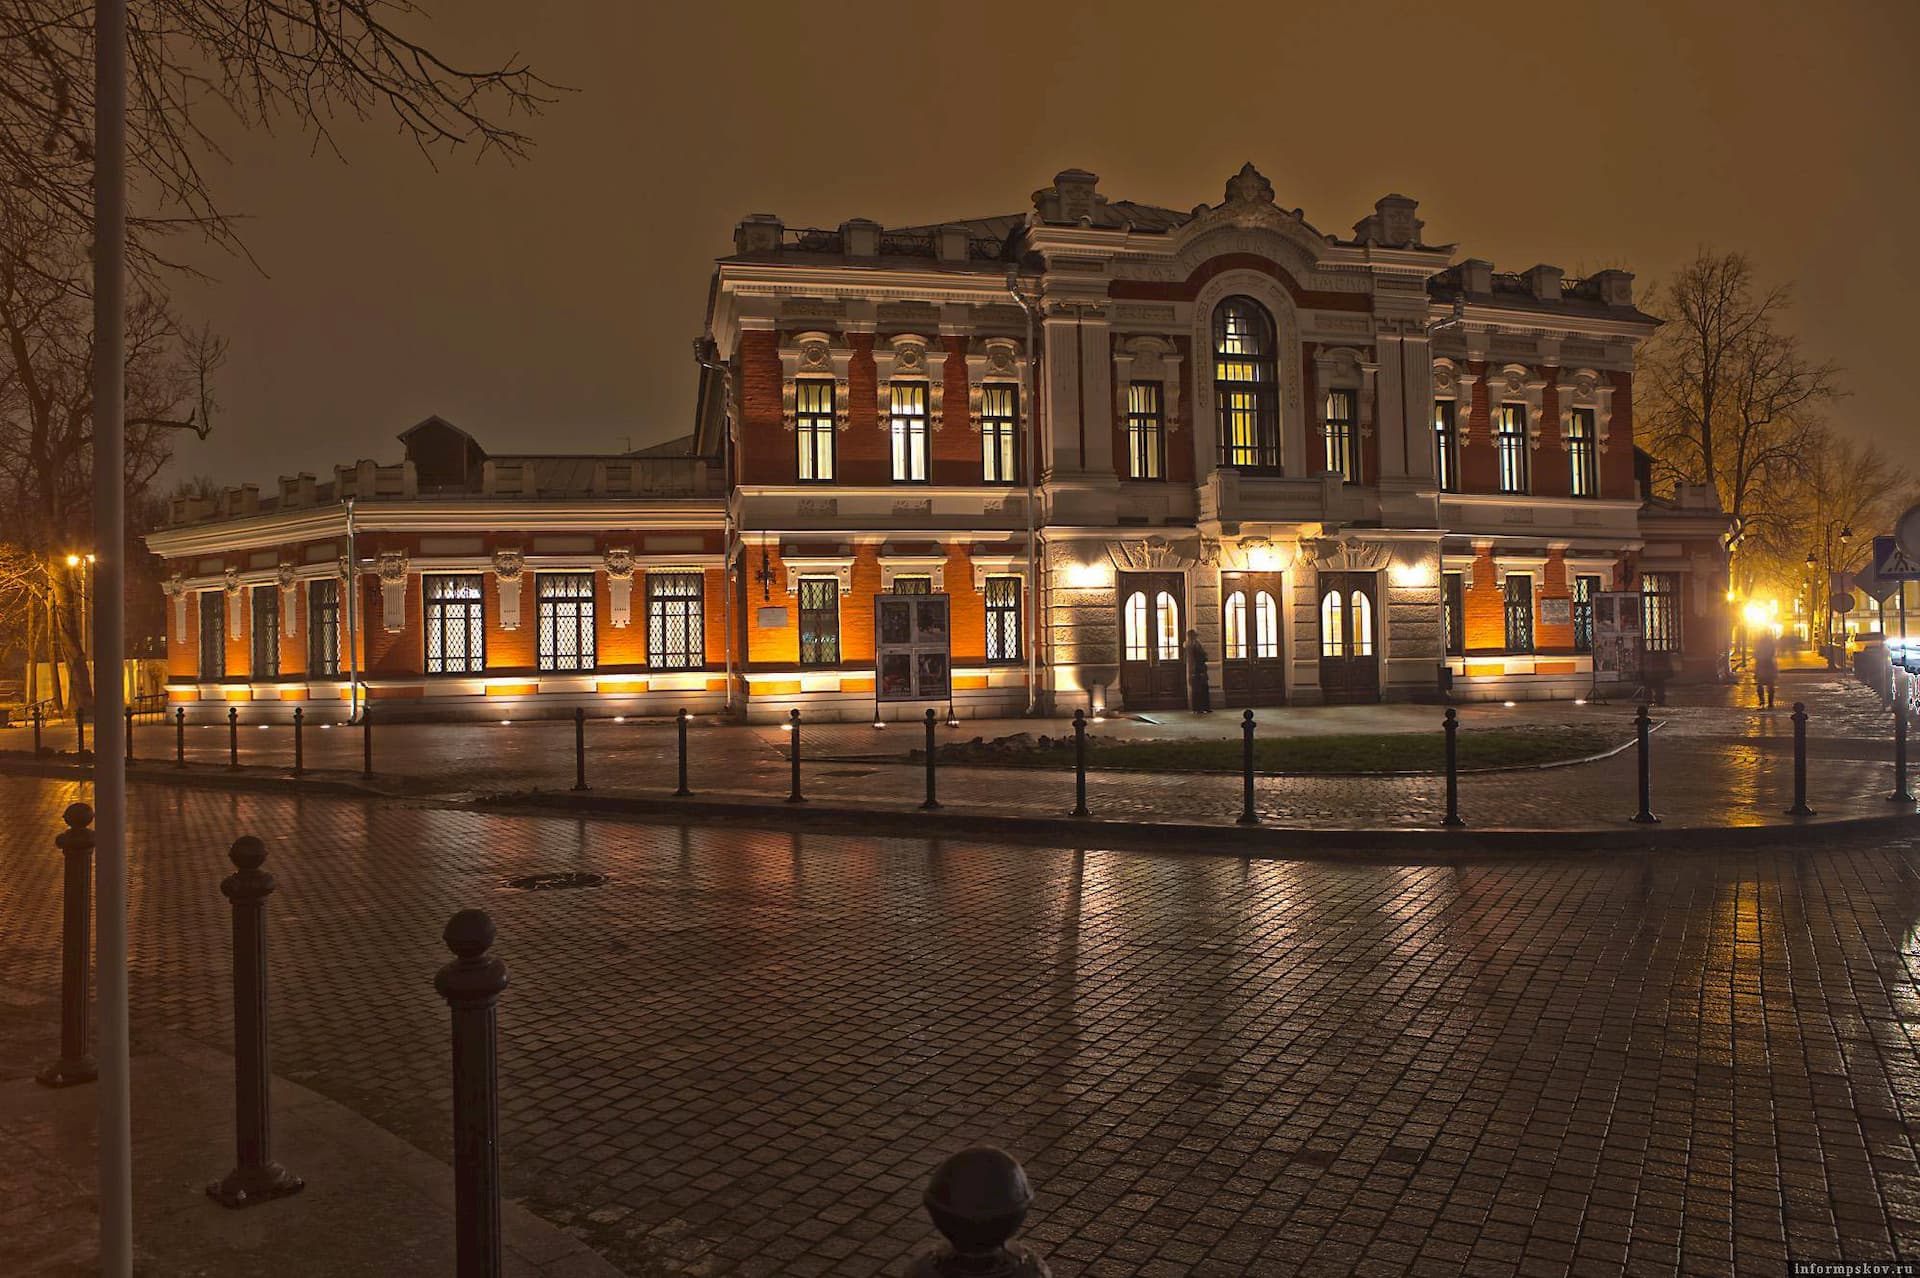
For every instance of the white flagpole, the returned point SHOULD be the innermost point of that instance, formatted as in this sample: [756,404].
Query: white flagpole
[110,630]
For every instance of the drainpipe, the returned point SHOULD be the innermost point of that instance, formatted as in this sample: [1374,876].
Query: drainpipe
[706,354]
[353,609]
[1033,552]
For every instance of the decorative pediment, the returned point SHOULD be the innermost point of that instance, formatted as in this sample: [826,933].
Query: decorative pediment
[909,359]
[1149,357]
[813,355]
[1586,388]
[1154,554]
[998,359]
[1347,554]
[1257,554]
[1519,384]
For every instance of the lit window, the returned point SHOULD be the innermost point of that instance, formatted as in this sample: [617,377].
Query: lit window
[1146,432]
[565,604]
[819,621]
[1003,620]
[1585,477]
[998,427]
[1510,442]
[1169,627]
[913,585]
[1446,442]
[1245,380]
[1362,624]
[456,633]
[213,634]
[814,423]
[1453,606]
[1266,626]
[909,400]
[1660,595]
[266,632]
[1333,625]
[1136,626]
[676,630]
[1343,453]
[1584,589]
[1235,626]
[323,626]
[1519,602]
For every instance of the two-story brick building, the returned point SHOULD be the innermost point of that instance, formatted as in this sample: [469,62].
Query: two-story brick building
[1344,464]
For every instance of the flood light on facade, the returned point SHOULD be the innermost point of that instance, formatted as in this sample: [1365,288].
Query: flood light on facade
[1089,576]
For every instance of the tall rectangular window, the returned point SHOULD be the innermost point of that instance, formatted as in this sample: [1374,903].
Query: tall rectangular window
[1454,606]
[814,420]
[323,626]
[456,631]
[1510,443]
[1660,596]
[1446,443]
[819,621]
[1146,432]
[1519,594]
[1585,477]
[1003,620]
[1343,446]
[909,401]
[676,626]
[566,635]
[266,632]
[213,634]
[999,425]
[1584,589]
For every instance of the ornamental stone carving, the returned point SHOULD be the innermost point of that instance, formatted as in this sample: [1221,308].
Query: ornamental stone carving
[176,588]
[619,565]
[230,581]
[1154,553]
[1341,554]
[997,361]
[1249,186]
[344,568]
[908,359]
[393,590]
[813,356]
[289,600]
[509,566]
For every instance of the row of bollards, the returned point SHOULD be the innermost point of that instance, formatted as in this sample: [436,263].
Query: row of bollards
[977,1199]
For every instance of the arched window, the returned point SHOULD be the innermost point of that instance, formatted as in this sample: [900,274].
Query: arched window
[1333,625]
[1235,624]
[1362,624]
[1246,383]
[1266,626]
[1169,627]
[1136,626]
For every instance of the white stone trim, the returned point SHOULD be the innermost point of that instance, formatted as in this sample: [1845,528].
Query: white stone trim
[999,360]
[1264,289]
[1518,384]
[911,358]
[931,566]
[814,355]
[839,567]
[1586,388]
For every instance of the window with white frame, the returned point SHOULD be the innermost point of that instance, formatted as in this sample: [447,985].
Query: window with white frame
[1266,626]
[676,627]
[1510,446]
[999,426]
[456,631]
[1343,446]
[1584,476]
[566,632]
[1146,432]
[814,424]
[1003,620]
[1233,626]
[909,431]
[1246,385]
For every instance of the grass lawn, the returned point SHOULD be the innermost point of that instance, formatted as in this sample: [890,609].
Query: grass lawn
[1357,752]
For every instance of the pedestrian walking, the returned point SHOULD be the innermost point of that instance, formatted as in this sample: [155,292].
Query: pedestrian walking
[1199,690]
[1766,668]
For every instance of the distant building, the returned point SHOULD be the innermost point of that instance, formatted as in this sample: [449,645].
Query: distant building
[1347,463]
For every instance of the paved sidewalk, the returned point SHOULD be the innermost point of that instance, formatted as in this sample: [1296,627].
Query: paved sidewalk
[373,1204]
[1718,763]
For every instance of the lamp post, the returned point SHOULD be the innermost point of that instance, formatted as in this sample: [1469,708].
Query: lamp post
[1815,563]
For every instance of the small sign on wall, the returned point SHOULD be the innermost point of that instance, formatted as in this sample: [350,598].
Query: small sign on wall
[770,617]
[1556,611]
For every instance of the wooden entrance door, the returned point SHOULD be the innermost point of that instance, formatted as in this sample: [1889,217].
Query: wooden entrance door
[1153,633]
[1349,637]
[1252,673]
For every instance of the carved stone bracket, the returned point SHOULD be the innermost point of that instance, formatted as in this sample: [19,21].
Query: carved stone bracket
[509,566]
[1586,388]
[619,565]
[1154,554]
[810,356]
[998,360]
[176,588]
[289,600]
[907,361]
[230,583]
[393,590]
[1342,554]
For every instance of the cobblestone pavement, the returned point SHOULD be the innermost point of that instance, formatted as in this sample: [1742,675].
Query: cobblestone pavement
[1718,762]
[745,1052]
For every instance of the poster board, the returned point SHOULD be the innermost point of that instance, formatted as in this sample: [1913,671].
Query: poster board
[1618,631]
[912,648]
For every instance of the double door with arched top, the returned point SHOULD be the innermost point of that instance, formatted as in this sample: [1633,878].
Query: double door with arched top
[1251,670]
[1153,668]
[1349,637]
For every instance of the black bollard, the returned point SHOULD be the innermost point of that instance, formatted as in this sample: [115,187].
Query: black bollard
[1452,726]
[1901,794]
[299,743]
[1080,764]
[255,1177]
[1799,808]
[978,1199]
[793,755]
[1643,723]
[366,739]
[36,728]
[80,730]
[1247,814]
[931,802]
[129,714]
[472,984]
[233,738]
[684,715]
[76,844]
[179,736]
[579,747]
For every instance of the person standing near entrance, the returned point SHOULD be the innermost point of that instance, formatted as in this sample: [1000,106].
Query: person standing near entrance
[1199,691]
[1766,668]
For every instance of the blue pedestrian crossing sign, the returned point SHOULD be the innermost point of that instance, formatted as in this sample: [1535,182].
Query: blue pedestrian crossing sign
[1891,563]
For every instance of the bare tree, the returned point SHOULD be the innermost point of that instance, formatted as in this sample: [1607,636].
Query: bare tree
[266,63]
[1732,400]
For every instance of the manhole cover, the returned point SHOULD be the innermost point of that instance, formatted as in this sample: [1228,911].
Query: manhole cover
[555,882]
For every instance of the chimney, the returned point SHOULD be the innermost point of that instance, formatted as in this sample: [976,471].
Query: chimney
[1476,275]
[758,233]
[296,490]
[861,237]
[1072,197]
[1616,287]
[1544,281]
[951,243]
[1392,225]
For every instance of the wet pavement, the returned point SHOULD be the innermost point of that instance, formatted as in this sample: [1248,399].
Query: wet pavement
[744,1053]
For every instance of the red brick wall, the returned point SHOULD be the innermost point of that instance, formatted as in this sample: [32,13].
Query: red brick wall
[1553,584]
[768,454]
[1616,464]
[1479,464]
[1486,615]
[1552,475]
